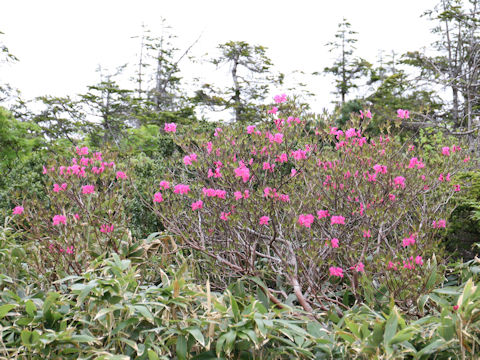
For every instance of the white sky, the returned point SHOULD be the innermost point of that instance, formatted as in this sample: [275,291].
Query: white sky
[60,43]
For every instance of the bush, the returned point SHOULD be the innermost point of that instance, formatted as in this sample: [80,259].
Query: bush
[318,211]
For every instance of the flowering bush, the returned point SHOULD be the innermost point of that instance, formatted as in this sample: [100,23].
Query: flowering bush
[318,207]
[83,217]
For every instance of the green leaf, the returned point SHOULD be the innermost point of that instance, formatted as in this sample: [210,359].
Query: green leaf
[181,347]
[83,338]
[30,308]
[4,309]
[29,337]
[197,334]
[152,355]
[390,327]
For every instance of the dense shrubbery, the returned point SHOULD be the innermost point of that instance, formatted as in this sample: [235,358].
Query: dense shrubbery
[300,204]
[284,239]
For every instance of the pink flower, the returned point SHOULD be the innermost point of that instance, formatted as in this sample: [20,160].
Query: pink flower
[409,240]
[419,260]
[293,172]
[238,195]
[264,220]
[334,243]
[224,216]
[367,234]
[403,114]
[350,133]
[197,205]
[76,216]
[399,181]
[82,151]
[88,189]
[170,127]
[322,214]
[250,129]
[217,132]
[336,271]
[181,189]
[439,224]
[157,197]
[106,228]
[280,98]
[121,175]
[164,184]
[17,210]
[278,138]
[70,250]
[59,219]
[273,110]
[456,187]
[337,220]
[391,197]
[446,151]
[243,172]
[306,220]
[57,188]
[360,267]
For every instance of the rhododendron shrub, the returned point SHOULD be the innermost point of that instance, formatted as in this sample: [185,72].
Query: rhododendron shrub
[323,208]
[82,218]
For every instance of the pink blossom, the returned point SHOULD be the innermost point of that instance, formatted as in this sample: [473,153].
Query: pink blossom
[170,127]
[70,250]
[439,224]
[238,195]
[246,194]
[106,228]
[293,172]
[88,189]
[322,214]
[391,265]
[360,267]
[278,138]
[306,220]
[17,210]
[446,151]
[273,110]
[82,151]
[409,240]
[264,220]
[299,154]
[403,114]
[334,243]
[337,220]
[250,129]
[282,158]
[280,98]
[181,189]
[197,205]
[266,166]
[121,175]
[336,271]
[217,132]
[367,234]
[164,184]
[59,219]
[157,197]
[456,187]
[399,181]
[76,216]
[57,188]
[350,133]
[224,216]
[391,197]
[419,260]
[243,172]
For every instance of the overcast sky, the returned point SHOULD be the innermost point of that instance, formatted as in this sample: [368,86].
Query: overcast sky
[60,43]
